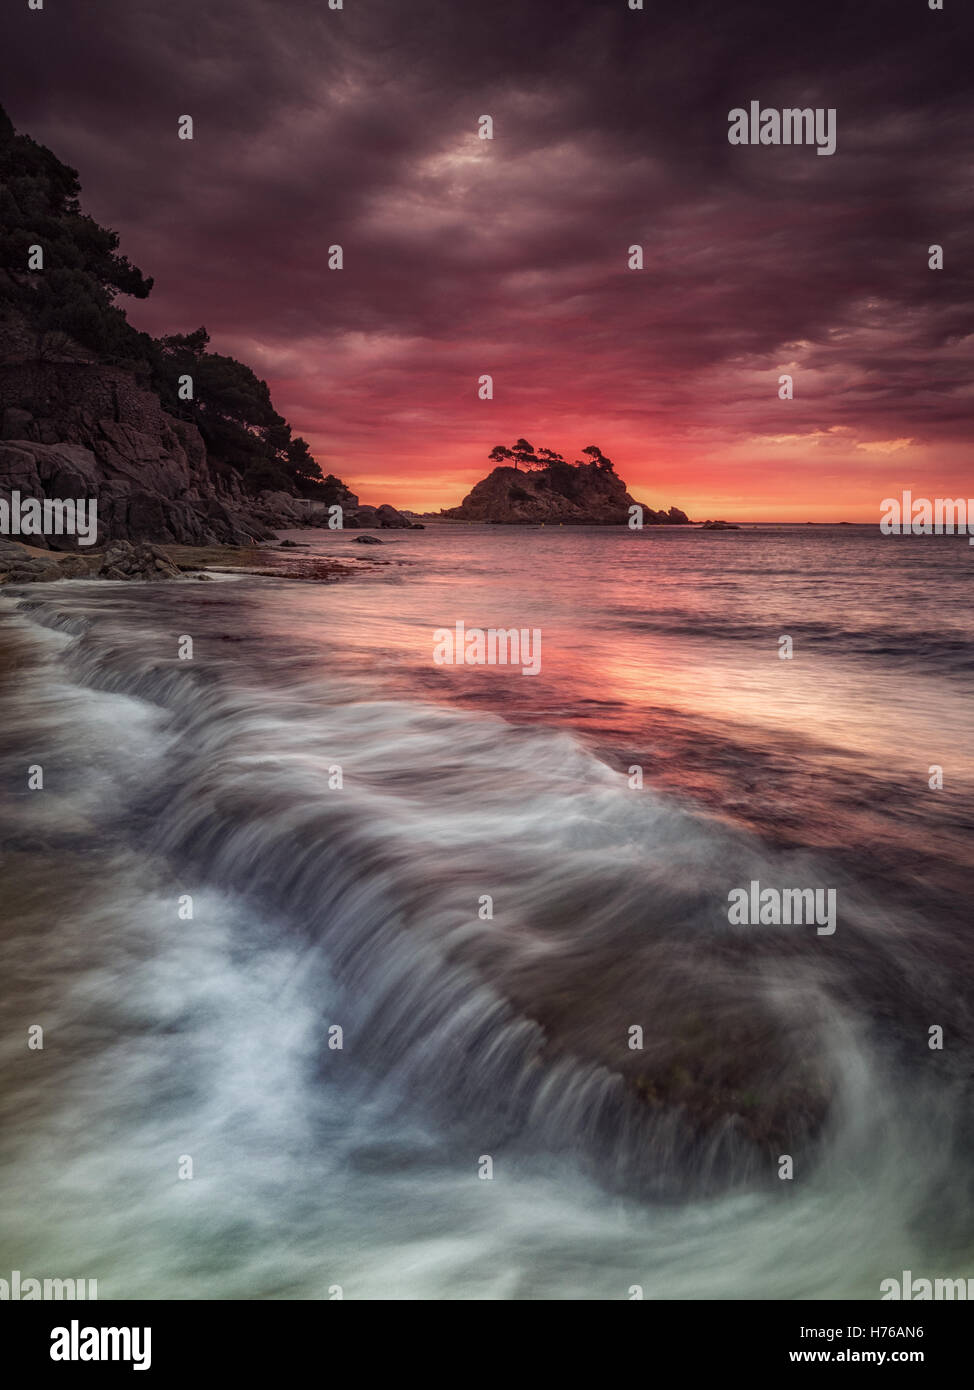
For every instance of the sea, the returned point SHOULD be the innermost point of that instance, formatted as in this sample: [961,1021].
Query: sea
[332,969]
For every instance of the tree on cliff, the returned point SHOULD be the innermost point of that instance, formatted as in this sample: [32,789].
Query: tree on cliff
[521,453]
[82,272]
[597,457]
[499,453]
[525,454]
[232,409]
[68,304]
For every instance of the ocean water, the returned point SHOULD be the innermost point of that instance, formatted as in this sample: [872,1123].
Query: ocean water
[501,1041]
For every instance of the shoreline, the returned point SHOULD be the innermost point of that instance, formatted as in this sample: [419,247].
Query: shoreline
[145,560]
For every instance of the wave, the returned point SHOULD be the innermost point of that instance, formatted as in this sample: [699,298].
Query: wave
[951,652]
[608,913]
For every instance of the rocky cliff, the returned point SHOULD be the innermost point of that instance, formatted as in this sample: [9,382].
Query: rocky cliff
[580,494]
[81,429]
[173,441]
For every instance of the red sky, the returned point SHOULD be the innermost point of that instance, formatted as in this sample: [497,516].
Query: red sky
[508,257]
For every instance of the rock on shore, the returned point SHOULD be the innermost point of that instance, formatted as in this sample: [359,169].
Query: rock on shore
[25,564]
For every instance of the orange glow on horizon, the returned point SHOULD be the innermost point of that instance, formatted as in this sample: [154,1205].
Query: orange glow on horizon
[734,486]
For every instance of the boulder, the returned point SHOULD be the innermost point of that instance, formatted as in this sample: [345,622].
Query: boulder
[123,560]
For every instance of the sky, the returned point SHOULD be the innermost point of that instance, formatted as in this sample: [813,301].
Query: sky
[508,257]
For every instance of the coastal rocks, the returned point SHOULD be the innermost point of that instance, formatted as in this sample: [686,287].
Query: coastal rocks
[51,470]
[122,560]
[585,494]
[389,517]
[672,517]
[22,564]
[175,521]
[385,518]
[367,540]
[282,510]
[84,430]
[81,429]
[719,526]
[142,492]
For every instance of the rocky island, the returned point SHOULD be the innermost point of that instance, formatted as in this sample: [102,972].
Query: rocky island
[540,487]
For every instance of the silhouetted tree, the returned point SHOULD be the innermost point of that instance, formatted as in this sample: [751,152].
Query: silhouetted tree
[185,344]
[525,455]
[83,272]
[232,409]
[498,454]
[598,457]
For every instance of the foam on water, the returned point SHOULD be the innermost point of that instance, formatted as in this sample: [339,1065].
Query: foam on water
[463,1037]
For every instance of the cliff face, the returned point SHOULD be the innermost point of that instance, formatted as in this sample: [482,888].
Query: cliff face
[76,429]
[89,405]
[83,430]
[582,495]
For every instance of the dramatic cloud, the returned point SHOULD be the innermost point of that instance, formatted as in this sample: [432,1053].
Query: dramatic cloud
[509,256]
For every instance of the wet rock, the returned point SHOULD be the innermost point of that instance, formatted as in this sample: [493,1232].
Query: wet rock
[123,560]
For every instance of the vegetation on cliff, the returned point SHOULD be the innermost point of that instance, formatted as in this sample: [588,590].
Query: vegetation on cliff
[60,278]
[523,453]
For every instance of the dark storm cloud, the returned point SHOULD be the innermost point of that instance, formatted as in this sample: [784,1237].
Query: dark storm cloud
[463,256]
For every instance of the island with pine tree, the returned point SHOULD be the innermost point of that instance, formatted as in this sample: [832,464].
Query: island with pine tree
[539,486]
